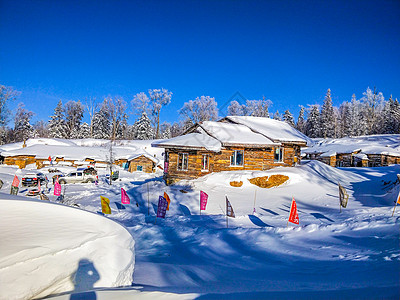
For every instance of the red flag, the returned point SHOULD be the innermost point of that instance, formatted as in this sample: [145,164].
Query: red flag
[293,216]
[15,181]
[203,200]
[168,200]
[49,158]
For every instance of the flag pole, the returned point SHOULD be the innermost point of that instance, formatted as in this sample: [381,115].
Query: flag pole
[287,225]
[155,222]
[148,201]
[394,209]
[254,206]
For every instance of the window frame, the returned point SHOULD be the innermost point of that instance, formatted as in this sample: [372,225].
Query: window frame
[208,163]
[281,154]
[234,156]
[139,167]
[180,165]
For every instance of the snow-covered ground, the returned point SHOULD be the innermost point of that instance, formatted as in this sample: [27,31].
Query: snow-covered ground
[354,253]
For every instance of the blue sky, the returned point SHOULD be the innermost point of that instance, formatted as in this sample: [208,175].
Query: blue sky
[291,52]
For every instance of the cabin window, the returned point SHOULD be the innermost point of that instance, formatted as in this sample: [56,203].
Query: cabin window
[139,168]
[205,162]
[237,158]
[278,155]
[182,161]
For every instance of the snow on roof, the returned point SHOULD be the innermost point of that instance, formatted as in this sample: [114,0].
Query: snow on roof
[191,141]
[234,134]
[145,154]
[277,131]
[375,144]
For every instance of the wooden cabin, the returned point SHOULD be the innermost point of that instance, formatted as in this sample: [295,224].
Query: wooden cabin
[142,163]
[230,145]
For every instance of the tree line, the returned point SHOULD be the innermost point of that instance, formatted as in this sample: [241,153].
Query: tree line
[371,114]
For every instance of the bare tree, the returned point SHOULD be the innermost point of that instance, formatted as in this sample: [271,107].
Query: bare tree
[92,107]
[7,94]
[201,109]
[158,99]
[117,112]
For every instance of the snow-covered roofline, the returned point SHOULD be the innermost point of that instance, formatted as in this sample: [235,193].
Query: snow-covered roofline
[195,141]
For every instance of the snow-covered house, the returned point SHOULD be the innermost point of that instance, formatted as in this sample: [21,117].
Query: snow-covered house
[233,143]
[142,162]
[361,151]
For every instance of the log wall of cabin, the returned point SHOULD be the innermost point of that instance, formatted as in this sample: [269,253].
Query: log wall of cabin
[147,164]
[253,159]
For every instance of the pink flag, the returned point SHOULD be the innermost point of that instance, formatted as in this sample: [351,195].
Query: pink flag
[39,187]
[203,200]
[124,197]
[15,181]
[293,216]
[57,188]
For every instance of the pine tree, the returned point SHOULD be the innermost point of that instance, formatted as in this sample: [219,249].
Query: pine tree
[73,118]
[301,123]
[277,116]
[345,127]
[313,122]
[288,118]
[101,124]
[22,128]
[144,131]
[57,125]
[328,125]
[84,131]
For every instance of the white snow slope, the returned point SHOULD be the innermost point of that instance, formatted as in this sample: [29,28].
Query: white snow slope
[350,254]
[50,248]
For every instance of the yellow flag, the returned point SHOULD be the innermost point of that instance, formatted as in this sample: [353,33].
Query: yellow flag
[105,205]
[168,200]
[398,198]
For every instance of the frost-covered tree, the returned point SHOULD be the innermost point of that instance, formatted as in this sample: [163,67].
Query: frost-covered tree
[158,99]
[201,109]
[313,122]
[73,117]
[257,108]
[41,128]
[7,94]
[277,116]
[236,109]
[84,131]
[372,104]
[144,131]
[345,126]
[116,108]
[301,123]
[22,127]
[327,116]
[141,104]
[166,130]
[176,129]
[57,125]
[288,118]
[101,123]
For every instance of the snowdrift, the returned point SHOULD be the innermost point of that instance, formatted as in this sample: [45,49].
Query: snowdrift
[49,249]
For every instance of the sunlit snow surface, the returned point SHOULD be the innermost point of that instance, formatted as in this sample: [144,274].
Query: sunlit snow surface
[352,254]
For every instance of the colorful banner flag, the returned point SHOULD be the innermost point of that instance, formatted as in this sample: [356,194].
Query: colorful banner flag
[229,208]
[203,200]
[124,197]
[168,200]
[293,216]
[398,198]
[162,207]
[39,186]
[49,158]
[57,188]
[105,205]
[343,196]
[15,182]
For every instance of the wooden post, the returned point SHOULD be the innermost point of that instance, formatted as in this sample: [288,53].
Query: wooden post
[148,201]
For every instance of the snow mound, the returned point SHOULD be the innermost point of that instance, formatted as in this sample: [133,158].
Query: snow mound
[51,249]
